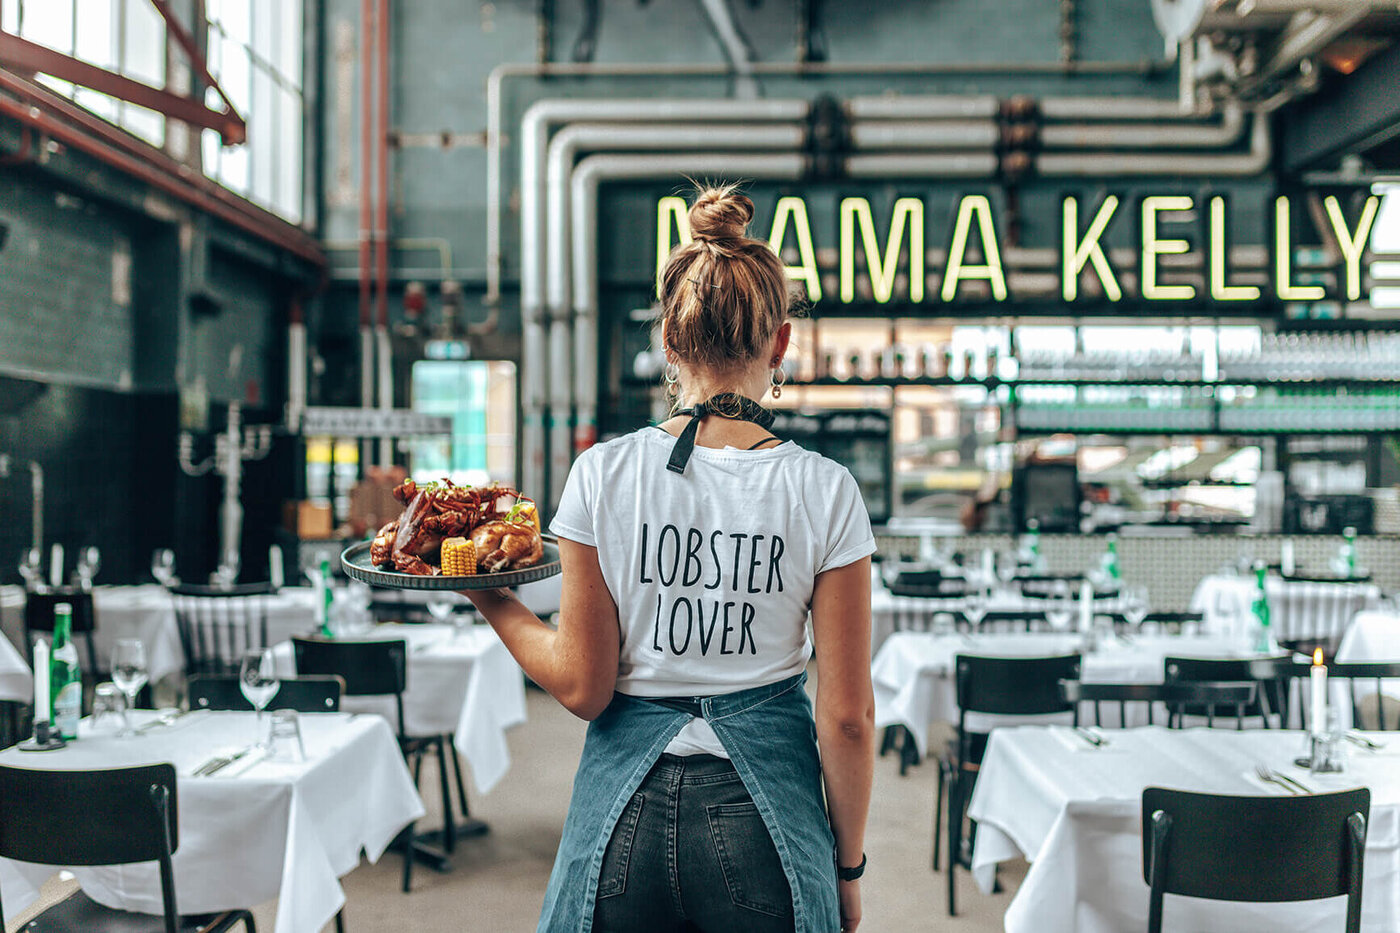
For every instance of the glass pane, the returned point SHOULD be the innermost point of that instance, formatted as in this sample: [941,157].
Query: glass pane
[49,23]
[287,158]
[97,39]
[262,137]
[479,396]
[147,124]
[144,44]
[100,104]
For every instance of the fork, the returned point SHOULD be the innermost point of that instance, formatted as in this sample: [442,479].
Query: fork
[1268,777]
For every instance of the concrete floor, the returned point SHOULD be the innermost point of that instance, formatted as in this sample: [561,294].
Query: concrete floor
[498,880]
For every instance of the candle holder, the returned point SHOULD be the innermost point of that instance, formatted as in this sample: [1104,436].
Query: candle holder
[1324,754]
[46,738]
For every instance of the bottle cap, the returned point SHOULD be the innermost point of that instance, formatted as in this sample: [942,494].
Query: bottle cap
[64,608]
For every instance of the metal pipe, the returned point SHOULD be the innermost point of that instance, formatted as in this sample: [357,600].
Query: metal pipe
[736,47]
[495,83]
[911,134]
[922,165]
[1111,108]
[296,367]
[36,496]
[366,166]
[587,176]
[922,107]
[385,357]
[1094,164]
[563,149]
[535,127]
[1220,135]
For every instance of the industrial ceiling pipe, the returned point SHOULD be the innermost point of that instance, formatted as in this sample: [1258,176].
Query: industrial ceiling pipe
[1117,165]
[563,149]
[535,128]
[925,134]
[1227,132]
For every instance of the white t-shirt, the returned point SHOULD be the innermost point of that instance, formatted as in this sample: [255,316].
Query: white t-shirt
[712,570]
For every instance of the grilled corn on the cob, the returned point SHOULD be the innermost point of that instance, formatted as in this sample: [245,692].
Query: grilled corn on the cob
[458,557]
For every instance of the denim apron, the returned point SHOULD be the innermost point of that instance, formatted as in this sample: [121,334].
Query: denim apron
[771,739]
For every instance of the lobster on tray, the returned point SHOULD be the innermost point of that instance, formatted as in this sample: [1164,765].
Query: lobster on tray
[433,512]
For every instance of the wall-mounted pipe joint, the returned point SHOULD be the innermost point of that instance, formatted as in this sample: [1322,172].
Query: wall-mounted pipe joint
[828,139]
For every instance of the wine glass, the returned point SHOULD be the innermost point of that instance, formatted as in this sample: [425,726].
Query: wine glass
[1059,607]
[440,608]
[129,672]
[257,679]
[1135,605]
[163,566]
[975,606]
[31,568]
[89,561]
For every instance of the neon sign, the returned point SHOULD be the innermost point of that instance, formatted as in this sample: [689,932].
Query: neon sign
[975,252]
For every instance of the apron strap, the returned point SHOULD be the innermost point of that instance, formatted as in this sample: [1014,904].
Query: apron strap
[724,405]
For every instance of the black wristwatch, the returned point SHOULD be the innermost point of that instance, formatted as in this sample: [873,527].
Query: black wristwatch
[851,874]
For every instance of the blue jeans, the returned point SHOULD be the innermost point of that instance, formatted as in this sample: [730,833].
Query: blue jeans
[690,853]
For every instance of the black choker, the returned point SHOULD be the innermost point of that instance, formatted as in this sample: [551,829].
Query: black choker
[725,405]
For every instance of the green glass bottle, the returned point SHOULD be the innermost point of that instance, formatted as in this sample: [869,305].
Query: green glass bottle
[65,677]
[324,597]
[1263,640]
[1349,551]
[1110,560]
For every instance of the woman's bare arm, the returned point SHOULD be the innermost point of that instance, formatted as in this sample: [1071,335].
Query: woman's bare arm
[845,712]
[577,662]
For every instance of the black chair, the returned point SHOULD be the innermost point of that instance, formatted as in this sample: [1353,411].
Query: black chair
[1272,698]
[1175,697]
[38,617]
[218,625]
[1012,620]
[309,694]
[380,668]
[1254,849]
[1377,672]
[1275,676]
[137,823]
[998,687]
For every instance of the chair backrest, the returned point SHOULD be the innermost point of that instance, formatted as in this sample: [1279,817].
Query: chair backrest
[114,817]
[1014,686]
[1210,698]
[309,694]
[373,667]
[38,617]
[1256,849]
[1014,620]
[218,625]
[1273,694]
[1372,674]
[1077,692]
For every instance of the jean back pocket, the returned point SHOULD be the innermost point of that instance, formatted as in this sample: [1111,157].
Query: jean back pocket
[753,872]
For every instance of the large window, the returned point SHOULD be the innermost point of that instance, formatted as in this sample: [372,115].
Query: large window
[254,51]
[479,397]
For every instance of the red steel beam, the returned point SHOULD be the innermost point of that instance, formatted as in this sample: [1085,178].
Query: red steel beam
[99,139]
[25,57]
[175,29]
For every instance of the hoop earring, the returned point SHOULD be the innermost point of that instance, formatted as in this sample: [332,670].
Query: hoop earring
[671,376]
[777,378]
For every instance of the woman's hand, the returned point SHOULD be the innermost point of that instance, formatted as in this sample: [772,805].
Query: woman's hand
[849,892]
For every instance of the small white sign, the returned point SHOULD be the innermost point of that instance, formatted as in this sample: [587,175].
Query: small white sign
[372,422]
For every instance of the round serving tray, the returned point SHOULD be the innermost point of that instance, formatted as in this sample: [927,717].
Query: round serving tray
[355,561]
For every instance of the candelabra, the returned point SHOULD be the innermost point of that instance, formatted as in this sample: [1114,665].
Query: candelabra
[235,444]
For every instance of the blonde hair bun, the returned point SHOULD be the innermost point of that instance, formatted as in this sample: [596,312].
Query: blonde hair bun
[720,214]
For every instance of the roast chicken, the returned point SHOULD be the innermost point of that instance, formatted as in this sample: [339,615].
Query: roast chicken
[412,543]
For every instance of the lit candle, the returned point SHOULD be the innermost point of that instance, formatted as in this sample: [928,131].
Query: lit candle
[1086,606]
[56,565]
[1319,694]
[274,566]
[41,681]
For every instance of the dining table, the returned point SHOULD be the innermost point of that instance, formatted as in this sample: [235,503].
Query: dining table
[913,672]
[1298,609]
[461,682]
[1072,809]
[16,679]
[263,828]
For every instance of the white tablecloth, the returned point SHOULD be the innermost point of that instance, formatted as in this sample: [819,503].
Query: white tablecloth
[1373,636]
[1297,610]
[467,685]
[148,613]
[247,835]
[16,681]
[914,686]
[1074,812]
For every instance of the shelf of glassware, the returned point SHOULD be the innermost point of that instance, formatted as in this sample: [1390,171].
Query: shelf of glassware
[1308,410]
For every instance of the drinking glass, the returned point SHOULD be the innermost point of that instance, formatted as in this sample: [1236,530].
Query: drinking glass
[1135,605]
[975,606]
[440,608]
[31,568]
[163,566]
[257,678]
[129,672]
[1059,607]
[89,561]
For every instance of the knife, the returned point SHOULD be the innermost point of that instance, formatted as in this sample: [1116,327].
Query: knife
[1091,738]
[165,719]
[218,764]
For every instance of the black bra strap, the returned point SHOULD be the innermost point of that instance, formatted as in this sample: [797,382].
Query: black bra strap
[762,442]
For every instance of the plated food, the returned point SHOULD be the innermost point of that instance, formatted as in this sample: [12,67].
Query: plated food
[441,521]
